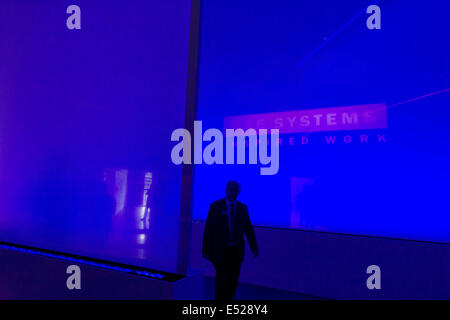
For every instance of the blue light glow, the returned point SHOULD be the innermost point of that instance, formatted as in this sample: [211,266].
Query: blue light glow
[84,261]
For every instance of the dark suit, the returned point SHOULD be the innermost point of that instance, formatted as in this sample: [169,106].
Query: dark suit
[225,258]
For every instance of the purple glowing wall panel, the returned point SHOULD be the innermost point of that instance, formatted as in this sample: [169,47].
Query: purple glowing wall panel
[85,123]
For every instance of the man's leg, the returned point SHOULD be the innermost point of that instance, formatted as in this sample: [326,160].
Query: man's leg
[221,282]
[234,269]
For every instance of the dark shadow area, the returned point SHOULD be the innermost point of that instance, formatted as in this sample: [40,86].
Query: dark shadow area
[252,292]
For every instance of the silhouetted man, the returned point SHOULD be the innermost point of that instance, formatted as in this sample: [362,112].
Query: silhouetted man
[223,241]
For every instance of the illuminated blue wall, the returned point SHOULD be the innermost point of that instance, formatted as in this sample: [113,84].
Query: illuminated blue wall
[261,57]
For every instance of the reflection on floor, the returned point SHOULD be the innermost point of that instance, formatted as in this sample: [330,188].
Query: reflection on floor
[253,292]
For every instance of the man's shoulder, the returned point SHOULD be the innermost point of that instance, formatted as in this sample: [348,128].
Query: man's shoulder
[222,202]
[242,205]
[218,203]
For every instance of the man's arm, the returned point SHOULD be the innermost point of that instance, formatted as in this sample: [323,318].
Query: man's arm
[207,236]
[250,234]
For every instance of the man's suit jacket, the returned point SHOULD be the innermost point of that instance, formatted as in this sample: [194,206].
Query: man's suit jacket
[216,234]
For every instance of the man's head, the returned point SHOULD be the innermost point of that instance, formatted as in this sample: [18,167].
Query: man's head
[232,190]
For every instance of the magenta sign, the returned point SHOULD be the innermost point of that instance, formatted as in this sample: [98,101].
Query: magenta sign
[359,117]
